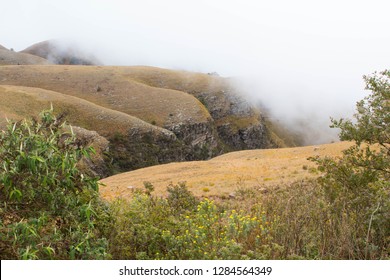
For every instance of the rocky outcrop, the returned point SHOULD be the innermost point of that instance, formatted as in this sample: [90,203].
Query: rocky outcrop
[97,164]
[239,125]
[250,137]
[140,148]
[199,140]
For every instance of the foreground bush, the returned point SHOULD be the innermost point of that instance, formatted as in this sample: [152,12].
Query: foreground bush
[49,208]
[357,185]
[160,228]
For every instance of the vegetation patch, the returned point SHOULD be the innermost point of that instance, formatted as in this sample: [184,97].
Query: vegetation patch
[50,209]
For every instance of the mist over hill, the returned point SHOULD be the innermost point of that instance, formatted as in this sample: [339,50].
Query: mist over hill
[10,57]
[148,115]
[60,52]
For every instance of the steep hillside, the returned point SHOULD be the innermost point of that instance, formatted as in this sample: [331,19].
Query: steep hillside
[150,115]
[240,125]
[133,142]
[224,175]
[13,100]
[176,111]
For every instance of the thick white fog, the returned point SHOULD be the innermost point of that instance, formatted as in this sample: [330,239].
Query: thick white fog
[303,60]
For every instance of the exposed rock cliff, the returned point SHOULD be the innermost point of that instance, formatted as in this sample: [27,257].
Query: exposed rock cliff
[148,115]
[97,164]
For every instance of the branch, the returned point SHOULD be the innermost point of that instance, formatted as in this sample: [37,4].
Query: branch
[369,228]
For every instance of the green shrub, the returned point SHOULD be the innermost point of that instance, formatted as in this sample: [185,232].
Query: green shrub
[357,185]
[180,199]
[211,234]
[181,227]
[49,208]
[138,226]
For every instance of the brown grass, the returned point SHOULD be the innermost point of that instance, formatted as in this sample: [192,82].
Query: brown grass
[223,175]
[177,80]
[8,57]
[111,88]
[18,102]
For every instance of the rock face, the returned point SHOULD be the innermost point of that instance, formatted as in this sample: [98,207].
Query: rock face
[239,125]
[140,148]
[251,137]
[200,140]
[96,165]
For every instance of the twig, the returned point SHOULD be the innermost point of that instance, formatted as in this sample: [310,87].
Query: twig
[369,228]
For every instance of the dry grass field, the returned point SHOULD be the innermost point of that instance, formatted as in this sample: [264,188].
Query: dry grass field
[8,57]
[111,88]
[223,175]
[13,101]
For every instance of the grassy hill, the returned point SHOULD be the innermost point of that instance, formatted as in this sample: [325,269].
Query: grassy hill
[105,86]
[61,53]
[106,122]
[224,175]
[186,116]
[8,57]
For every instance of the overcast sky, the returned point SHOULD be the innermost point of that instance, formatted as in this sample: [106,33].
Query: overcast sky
[297,56]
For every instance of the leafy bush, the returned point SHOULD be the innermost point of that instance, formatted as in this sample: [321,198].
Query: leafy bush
[138,225]
[49,208]
[181,227]
[357,185]
[209,233]
[180,199]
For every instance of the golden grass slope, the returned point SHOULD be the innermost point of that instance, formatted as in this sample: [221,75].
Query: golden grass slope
[18,102]
[8,57]
[110,88]
[223,175]
[174,79]
[222,96]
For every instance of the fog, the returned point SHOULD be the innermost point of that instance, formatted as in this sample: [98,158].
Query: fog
[302,60]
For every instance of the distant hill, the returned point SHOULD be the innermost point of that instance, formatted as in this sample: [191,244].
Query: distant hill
[8,57]
[18,102]
[58,53]
[149,115]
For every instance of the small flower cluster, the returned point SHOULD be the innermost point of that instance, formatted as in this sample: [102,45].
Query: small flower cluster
[211,234]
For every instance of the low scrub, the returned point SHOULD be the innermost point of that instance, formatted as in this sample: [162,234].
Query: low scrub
[49,209]
[182,227]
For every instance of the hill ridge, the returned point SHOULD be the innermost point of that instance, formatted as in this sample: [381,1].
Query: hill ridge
[200,117]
